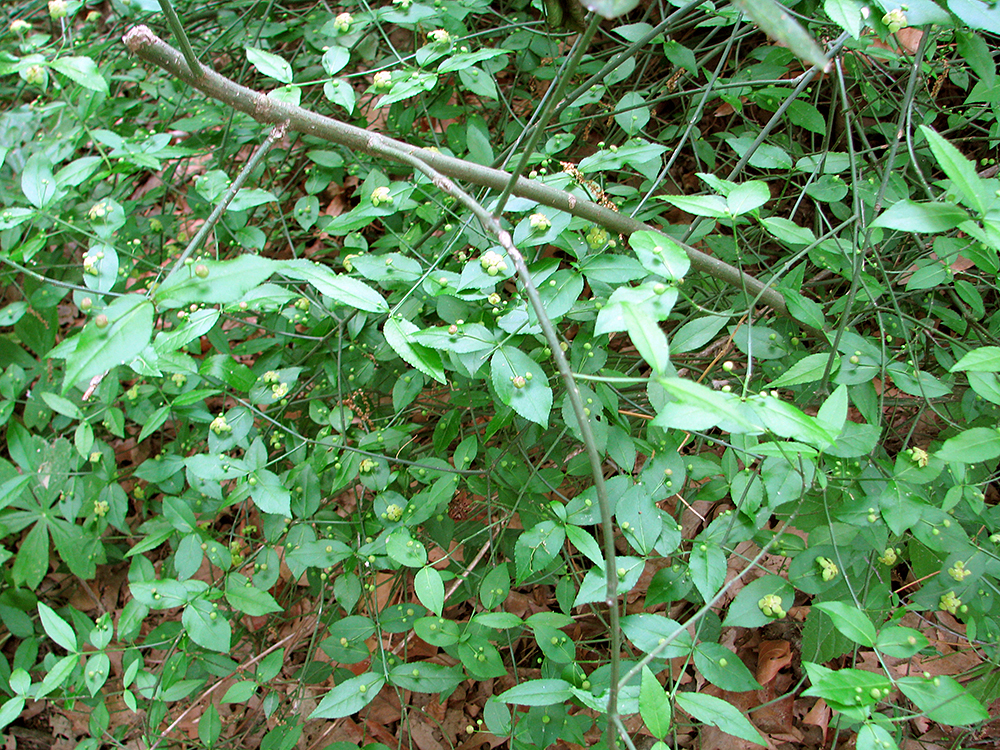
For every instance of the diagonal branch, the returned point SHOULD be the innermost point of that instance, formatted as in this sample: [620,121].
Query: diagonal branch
[141,41]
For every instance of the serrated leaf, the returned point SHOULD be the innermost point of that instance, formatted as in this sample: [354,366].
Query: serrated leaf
[206,626]
[82,70]
[270,64]
[537,547]
[344,289]
[972,446]
[398,335]
[654,705]
[960,171]
[846,14]
[983,359]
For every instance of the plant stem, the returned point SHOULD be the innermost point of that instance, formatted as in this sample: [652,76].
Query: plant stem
[182,39]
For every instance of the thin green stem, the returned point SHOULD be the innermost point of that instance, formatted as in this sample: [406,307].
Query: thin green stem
[276,134]
[182,38]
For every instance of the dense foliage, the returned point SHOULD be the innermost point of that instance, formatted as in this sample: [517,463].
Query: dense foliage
[294,425]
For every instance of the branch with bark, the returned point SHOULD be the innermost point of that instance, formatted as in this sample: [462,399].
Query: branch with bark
[143,43]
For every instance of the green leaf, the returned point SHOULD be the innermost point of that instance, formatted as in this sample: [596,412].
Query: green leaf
[57,628]
[495,587]
[344,289]
[57,675]
[846,14]
[850,621]
[246,597]
[227,281]
[874,737]
[943,699]
[648,338]
[426,677]
[962,172]
[349,697]
[538,693]
[62,405]
[334,60]
[521,384]
[128,328]
[10,710]
[270,64]
[632,114]
[341,93]
[240,692]
[650,633]
[723,668]
[983,359]
[972,446]
[404,549]
[747,197]
[900,642]
[537,547]
[910,216]
[429,588]
[847,688]
[248,198]
[32,561]
[82,70]
[809,369]
[696,333]
[398,334]
[269,494]
[209,725]
[745,611]
[37,181]
[206,626]
[660,254]
[708,568]
[719,713]
[654,705]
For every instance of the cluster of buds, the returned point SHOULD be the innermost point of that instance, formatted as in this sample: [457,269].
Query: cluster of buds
[539,222]
[393,513]
[101,508]
[367,466]
[440,37]
[520,381]
[179,379]
[382,81]
[950,603]
[381,195]
[220,426]
[98,211]
[342,23]
[403,4]
[492,262]
[828,567]
[889,557]
[919,456]
[19,26]
[57,9]
[36,75]
[959,572]
[90,264]
[770,605]
[597,238]
[894,20]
